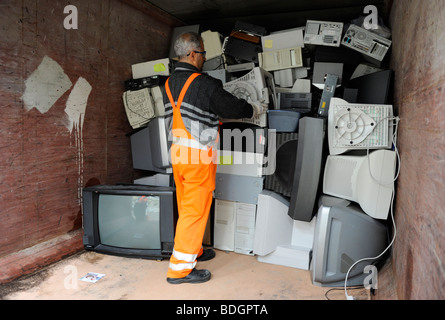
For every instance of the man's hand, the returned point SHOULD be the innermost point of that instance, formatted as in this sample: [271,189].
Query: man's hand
[258,108]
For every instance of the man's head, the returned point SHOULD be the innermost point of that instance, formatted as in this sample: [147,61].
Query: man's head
[190,48]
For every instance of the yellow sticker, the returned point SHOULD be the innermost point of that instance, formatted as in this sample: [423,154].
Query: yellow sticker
[268,44]
[159,67]
[323,105]
[225,160]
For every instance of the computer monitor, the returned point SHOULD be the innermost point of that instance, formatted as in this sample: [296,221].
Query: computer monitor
[372,88]
[298,166]
[273,224]
[278,238]
[343,236]
[365,179]
[308,169]
[256,85]
[353,126]
[142,105]
[150,147]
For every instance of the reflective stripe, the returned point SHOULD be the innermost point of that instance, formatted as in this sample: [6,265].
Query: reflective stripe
[181,266]
[184,256]
[184,142]
[195,113]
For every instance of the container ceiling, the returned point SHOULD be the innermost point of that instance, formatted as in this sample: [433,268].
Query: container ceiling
[274,15]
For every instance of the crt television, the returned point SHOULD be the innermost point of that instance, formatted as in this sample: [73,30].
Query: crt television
[343,236]
[130,220]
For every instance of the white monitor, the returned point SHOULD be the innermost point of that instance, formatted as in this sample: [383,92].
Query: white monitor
[257,85]
[273,224]
[359,126]
[143,105]
[366,180]
[278,238]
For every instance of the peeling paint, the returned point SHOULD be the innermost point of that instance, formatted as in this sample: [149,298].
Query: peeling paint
[45,86]
[77,103]
[75,111]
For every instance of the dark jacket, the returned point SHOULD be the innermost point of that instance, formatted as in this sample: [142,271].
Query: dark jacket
[204,104]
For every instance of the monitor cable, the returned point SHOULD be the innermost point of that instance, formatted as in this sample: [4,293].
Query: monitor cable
[397,120]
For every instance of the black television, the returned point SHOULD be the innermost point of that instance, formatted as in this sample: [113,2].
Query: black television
[130,220]
[298,164]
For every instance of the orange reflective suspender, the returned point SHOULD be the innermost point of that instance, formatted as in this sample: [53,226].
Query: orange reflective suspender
[177,119]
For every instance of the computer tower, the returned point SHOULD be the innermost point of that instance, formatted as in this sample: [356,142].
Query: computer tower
[234,226]
[238,188]
[324,33]
[372,46]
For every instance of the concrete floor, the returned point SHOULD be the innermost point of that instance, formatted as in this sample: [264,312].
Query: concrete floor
[234,277]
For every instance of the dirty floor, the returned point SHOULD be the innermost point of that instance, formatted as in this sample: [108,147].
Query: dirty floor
[234,277]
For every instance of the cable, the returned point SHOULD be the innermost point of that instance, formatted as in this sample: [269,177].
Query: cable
[339,289]
[348,297]
[397,119]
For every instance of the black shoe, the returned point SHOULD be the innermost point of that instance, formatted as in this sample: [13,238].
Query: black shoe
[196,276]
[208,254]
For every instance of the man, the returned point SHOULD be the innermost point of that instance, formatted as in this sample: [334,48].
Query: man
[194,102]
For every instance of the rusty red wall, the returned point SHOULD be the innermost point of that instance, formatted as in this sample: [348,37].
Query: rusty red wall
[44,161]
[418,58]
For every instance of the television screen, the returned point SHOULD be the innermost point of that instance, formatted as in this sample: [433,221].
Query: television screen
[130,220]
[135,228]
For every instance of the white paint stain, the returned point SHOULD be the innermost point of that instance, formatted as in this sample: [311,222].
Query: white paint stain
[45,86]
[77,103]
[75,111]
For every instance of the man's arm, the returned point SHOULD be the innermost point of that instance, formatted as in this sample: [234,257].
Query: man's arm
[227,106]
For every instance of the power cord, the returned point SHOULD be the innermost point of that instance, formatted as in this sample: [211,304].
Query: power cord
[340,289]
[397,119]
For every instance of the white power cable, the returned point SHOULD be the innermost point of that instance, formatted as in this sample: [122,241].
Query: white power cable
[397,119]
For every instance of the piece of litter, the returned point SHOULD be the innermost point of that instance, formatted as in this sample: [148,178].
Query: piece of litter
[92,277]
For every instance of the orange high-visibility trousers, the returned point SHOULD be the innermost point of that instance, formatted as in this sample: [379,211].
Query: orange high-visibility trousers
[194,172]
